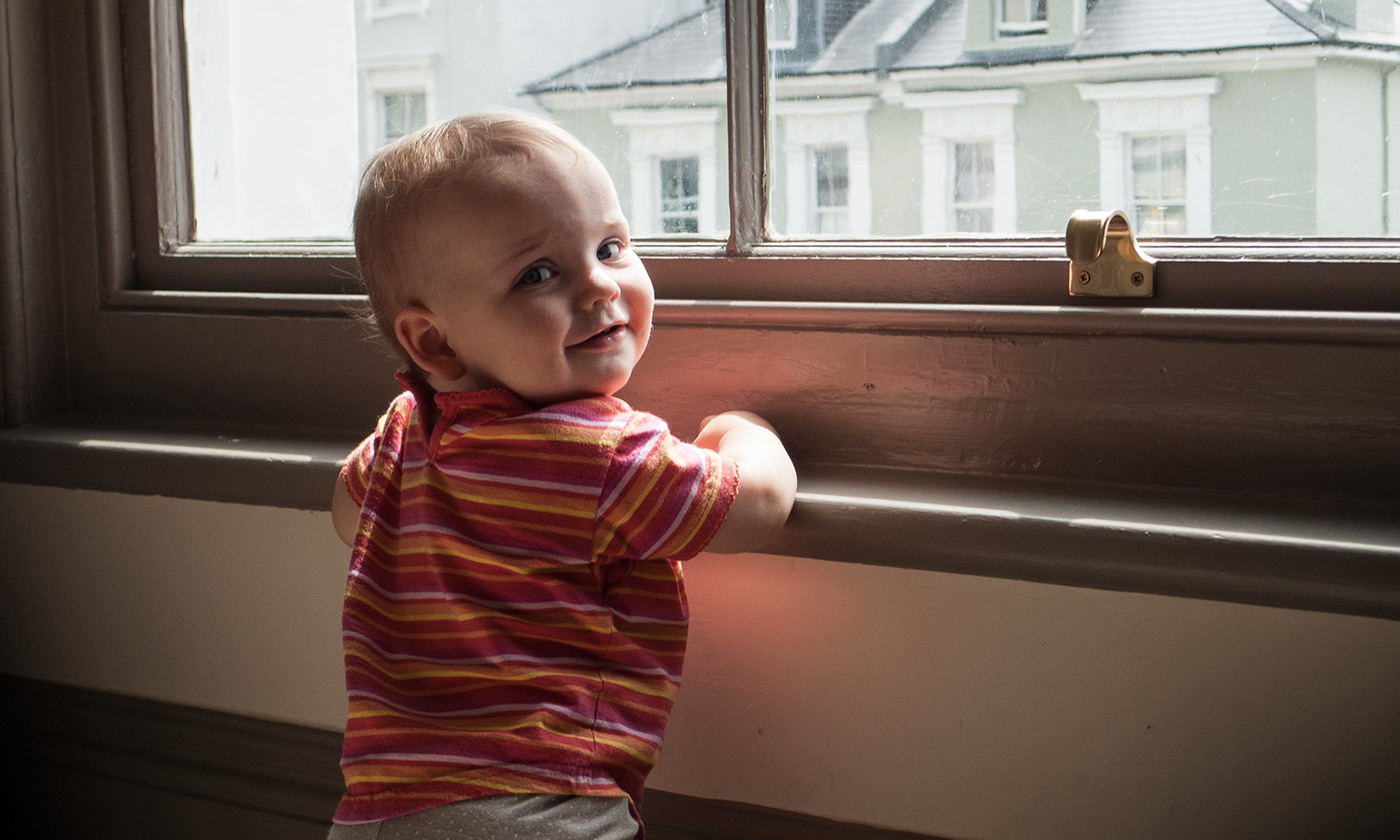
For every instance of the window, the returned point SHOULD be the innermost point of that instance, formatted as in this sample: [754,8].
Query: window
[826,151]
[672,177]
[404,112]
[680,194]
[398,96]
[915,142]
[1021,17]
[830,190]
[1166,181]
[974,186]
[782,24]
[1286,134]
[1158,200]
[982,125]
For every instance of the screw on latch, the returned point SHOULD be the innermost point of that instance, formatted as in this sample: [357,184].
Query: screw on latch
[1083,277]
[1137,278]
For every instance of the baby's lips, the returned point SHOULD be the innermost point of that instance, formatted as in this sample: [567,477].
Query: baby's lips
[601,334]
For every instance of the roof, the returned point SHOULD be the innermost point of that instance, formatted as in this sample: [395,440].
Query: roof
[690,50]
[901,35]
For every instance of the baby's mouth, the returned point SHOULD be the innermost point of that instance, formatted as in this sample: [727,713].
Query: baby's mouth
[603,338]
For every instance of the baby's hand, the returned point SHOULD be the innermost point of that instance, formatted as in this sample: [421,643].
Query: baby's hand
[767,479]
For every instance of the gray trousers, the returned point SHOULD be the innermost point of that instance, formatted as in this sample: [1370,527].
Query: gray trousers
[515,817]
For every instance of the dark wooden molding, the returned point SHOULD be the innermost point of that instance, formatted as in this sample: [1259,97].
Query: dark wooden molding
[209,765]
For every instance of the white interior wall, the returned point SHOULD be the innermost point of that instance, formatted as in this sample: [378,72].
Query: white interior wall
[951,705]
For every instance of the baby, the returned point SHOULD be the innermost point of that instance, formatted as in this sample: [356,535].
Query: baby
[515,619]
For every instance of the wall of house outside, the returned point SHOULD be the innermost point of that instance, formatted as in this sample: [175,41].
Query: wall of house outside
[1251,193]
[1350,149]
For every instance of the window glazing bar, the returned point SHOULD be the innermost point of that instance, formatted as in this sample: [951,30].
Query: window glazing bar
[747,82]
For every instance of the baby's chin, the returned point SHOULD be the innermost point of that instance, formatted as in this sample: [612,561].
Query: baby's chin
[540,400]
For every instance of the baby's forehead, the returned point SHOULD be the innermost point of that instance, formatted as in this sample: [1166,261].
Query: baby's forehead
[517,175]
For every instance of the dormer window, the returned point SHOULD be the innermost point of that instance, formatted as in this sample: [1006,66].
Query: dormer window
[1021,17]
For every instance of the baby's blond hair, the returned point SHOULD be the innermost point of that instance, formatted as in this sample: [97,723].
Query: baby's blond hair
[402,177]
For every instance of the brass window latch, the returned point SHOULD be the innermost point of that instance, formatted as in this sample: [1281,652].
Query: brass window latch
[1104,260]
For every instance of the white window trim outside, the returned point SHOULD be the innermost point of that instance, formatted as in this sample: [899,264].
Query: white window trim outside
[653,134]
[832,122]
[950,116]
[1179,106]
[393,74]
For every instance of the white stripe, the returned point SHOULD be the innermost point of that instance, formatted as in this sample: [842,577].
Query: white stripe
[573,418]
[680,517]
[631,473]
[545,415]
[580,489]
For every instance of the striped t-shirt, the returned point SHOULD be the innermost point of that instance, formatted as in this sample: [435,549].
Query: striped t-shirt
[515,619]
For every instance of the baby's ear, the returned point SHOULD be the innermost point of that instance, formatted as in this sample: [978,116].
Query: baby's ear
[416,328]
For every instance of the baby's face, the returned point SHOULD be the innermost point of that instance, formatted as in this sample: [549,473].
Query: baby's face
[535,281]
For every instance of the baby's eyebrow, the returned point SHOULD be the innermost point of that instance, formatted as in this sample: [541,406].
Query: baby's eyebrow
[531,242]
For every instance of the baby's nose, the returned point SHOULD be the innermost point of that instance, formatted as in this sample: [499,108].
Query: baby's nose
[600,287]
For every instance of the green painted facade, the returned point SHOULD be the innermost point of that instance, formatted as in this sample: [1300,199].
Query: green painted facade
[1299,139]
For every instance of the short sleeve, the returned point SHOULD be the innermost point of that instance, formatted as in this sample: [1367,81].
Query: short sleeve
[357,469]
[662,498]
[359,464]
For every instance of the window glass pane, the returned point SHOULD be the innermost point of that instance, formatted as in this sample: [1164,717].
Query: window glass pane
[288,99]
[680,195]
[1022,11]
[830,193]
[782,24]
[1285,117]
[973,186]
[1159,184]
[404,112]
[1285,114]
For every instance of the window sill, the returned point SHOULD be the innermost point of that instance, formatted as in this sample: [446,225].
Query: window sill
[1285,552]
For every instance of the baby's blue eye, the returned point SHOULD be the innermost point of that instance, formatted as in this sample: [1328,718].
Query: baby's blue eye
[609,251]
[535,275]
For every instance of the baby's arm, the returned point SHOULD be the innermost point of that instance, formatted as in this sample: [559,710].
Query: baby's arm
[345,514]
[767,480]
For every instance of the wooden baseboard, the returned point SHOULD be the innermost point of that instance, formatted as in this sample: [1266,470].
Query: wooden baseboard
[112,766]
[674,816]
